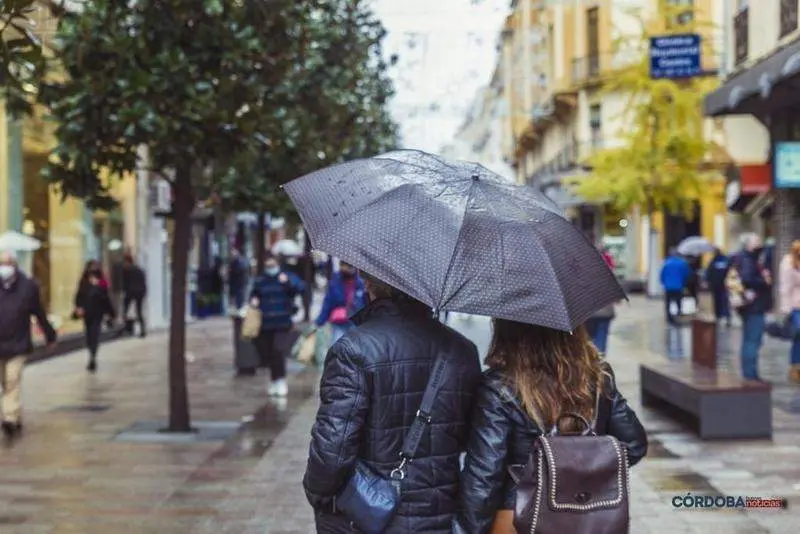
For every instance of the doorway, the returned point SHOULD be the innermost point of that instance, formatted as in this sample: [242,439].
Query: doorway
[678,227]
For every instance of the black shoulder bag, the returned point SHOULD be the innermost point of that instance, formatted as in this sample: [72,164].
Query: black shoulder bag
[369,499]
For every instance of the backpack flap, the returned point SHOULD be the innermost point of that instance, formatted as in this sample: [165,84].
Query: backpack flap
[584,473]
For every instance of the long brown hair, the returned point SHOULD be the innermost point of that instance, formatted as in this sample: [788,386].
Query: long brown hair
[552,372]
[795,253]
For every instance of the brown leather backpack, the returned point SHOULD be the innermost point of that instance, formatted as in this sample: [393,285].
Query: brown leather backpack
[576,484]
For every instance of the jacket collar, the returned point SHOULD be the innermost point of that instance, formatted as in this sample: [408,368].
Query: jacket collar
[396,306]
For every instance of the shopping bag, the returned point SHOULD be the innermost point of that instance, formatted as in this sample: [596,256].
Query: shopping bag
[304,349]
[251,325]
[323,343]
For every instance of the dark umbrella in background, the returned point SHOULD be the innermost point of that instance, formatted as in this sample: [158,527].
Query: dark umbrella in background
[457,237]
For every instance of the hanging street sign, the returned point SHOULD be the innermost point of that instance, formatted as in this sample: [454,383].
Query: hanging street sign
[675,56]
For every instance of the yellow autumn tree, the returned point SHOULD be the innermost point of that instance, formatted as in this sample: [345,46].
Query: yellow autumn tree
[663,159]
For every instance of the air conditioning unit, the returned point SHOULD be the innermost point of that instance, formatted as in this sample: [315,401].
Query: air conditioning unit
[162,196]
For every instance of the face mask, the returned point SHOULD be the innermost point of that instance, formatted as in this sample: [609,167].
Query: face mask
[6,272]
[272,271]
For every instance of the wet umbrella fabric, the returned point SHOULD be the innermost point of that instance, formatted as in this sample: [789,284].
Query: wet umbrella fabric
[457,237]
[695,246]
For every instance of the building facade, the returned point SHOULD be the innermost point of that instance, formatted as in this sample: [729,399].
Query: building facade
[759,105]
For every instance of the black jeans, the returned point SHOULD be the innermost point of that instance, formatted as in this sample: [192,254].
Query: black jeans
[272,347]
[137,302]
[92,328]
[669,298]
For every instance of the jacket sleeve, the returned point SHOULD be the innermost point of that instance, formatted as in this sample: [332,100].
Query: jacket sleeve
[486,465]
[327,306]
[337,432]
[625,425]
[297,286]
[37,310]
[785,281]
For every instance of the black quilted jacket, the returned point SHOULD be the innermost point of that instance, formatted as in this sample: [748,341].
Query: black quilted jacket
[502,435]
[371,388]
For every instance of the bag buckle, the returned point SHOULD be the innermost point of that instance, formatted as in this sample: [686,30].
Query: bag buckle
[399,472]
[424,416]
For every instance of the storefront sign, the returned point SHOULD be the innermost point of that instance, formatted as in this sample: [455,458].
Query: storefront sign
[675,56]
[787,165]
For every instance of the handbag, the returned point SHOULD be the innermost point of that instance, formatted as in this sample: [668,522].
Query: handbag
[339,316]
[251,325]
[574,483]
[369,499]
[304,348]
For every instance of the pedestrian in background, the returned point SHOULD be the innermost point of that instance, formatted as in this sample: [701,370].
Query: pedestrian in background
[238,278]
[134,291]
[345,296]
[535,375]
[716,273]
[599,324]
[274,293]
[371,390]
[675,275]
[789,291]
[757,283]
[19,301]
[93,305]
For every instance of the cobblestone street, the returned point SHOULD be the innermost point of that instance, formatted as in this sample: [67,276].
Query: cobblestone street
[69,474]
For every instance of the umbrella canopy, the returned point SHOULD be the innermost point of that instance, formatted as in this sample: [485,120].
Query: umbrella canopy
[17,242]
[695,246]
[287,247]
[457,237]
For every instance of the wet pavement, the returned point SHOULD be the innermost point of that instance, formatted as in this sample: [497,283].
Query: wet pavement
[70,474]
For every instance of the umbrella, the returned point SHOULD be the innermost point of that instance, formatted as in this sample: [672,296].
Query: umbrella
[457,237]
[287,247]
[17,242]
[695,246]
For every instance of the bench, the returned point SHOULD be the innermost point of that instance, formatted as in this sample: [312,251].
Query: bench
[720,404]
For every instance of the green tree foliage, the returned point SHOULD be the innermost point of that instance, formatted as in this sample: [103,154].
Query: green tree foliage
[664,159]
[22,63]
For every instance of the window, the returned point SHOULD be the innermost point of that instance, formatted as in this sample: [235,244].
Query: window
[788,17]
[740,35]
[593,40]
[596,125]
[682,12]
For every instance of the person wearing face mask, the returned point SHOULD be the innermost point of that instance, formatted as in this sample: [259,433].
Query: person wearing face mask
[274,294]
[93,304]
[345,296]
[757,282]
[19,300]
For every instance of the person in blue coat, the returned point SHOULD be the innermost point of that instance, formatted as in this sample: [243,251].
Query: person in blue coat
[675,275]
[716,272]
[345,296]
[274,294]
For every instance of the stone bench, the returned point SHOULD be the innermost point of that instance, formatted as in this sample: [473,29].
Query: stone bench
[719,403]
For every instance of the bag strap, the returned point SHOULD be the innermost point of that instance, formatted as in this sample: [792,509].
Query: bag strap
[422,418]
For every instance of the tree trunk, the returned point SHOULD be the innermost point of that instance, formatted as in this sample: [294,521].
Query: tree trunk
[261,243]
[179,418]
[309,279]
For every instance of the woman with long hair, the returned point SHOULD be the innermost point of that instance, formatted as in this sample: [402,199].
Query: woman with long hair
[789,280]
[535,375]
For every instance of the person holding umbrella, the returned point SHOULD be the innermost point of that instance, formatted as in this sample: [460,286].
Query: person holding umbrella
[481,245]
[346,295]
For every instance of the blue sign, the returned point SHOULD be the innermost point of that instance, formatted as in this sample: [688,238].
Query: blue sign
[786,165]
[675,56]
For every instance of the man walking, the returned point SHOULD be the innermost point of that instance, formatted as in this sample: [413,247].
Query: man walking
[19,300]
[716,273]
[134,288]
[675,276]
[757,282]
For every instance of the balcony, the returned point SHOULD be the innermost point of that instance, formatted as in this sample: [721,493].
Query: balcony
[788,20]
[741,29]
[585,69]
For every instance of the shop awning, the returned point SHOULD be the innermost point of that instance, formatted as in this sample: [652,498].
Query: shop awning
[745,184]
[759,87]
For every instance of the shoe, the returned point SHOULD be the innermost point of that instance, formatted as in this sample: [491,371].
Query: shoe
[11,429]
[278,388]
[794,374]
[92,367]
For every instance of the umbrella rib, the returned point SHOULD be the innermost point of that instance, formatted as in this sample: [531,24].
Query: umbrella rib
[458,241]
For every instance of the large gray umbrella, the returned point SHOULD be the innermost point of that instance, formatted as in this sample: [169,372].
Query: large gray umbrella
[457,237]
